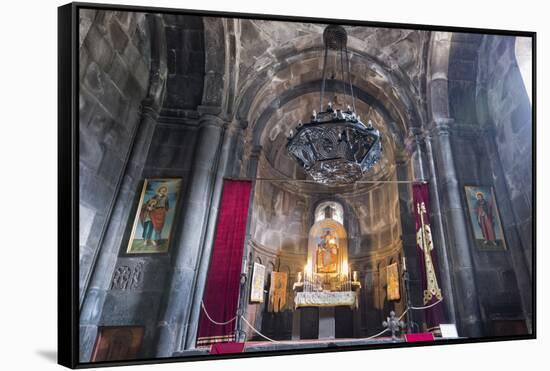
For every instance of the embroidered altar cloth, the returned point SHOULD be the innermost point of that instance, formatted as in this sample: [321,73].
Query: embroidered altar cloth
[326,299]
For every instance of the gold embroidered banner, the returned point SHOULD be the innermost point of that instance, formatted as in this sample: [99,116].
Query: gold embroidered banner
[392,276]
[277,291]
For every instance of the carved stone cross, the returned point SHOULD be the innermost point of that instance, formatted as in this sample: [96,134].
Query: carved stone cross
[394,325]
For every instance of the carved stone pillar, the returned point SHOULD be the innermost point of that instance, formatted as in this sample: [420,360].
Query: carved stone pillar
[404,170]
[174,319]
[224,169]
[103,269]
[247,265]
[451,211]
[423,169]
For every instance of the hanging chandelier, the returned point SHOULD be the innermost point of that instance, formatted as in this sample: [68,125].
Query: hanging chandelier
[335,147]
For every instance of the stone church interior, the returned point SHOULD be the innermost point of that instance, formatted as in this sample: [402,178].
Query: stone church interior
[251,185]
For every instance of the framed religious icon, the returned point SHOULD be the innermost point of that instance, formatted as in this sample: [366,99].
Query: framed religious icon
[193,143]
[484,218]
[154,218]
[258,279]
[392,277]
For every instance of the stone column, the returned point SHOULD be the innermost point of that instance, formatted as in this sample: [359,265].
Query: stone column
[408,233]
[251,172]
[452,212]
[174,319]
[92,305]
[423,169]
[224,169]
[442,247]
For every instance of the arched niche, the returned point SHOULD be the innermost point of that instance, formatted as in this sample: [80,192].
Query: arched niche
[336,211]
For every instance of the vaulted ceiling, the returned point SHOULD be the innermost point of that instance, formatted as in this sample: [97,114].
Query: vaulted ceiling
[278,77]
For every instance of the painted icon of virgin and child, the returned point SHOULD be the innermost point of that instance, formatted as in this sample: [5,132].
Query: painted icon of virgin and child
[327,253]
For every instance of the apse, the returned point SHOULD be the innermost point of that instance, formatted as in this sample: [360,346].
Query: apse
[287,200]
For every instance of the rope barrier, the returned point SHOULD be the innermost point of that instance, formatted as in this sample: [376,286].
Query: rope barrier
[258,332]
[419,308]
[373,336]
[427,306]
[279,342]
[213,321]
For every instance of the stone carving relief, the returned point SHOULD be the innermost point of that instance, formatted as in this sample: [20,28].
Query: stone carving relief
[127,278]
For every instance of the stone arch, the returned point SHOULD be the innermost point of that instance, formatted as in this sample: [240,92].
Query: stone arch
[338,211]
[394,93]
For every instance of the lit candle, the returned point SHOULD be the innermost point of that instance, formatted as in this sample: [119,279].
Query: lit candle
[306,278]
[349,277]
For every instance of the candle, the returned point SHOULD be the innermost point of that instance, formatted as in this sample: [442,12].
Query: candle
[349,277]
[404,264]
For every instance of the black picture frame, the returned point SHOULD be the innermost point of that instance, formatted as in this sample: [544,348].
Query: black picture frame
[68,180]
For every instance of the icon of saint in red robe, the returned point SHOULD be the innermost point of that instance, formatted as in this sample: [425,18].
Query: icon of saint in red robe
[485,219]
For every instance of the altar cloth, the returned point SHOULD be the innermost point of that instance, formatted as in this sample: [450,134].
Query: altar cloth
[326,299]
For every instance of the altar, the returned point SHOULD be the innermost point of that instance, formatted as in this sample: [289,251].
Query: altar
[327,281]
[326,299]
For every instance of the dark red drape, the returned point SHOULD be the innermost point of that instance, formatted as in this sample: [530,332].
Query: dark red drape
[421,194]
[221,294]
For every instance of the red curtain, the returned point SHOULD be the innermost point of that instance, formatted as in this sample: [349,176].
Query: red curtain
[221,294]
[430,282]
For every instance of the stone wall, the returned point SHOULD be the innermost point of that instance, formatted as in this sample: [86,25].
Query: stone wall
[487,102]
[280,224]
[131,141]
[170,156]
[114,78]
[509,111]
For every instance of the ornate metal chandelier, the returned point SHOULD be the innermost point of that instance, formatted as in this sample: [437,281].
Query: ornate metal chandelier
[335,147]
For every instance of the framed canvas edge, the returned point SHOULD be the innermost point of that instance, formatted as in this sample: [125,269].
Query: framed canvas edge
[67,218]
[68,213]
[293,18]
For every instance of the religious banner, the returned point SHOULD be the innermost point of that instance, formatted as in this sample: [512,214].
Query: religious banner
[258,279]
[426,254]
[220,301]
[277,292]
[484,218]
[392,277]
